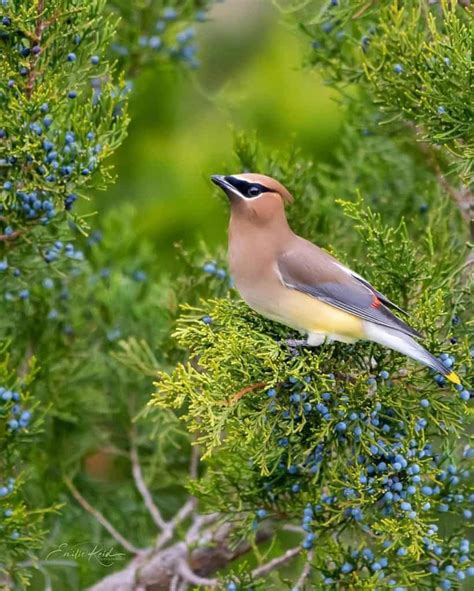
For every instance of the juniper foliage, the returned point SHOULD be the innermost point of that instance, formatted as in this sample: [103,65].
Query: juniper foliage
[355,457]
[363,450]
[66,293]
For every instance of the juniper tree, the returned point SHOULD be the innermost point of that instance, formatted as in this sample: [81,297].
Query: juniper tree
[345,467]
[358,450]
[65,75]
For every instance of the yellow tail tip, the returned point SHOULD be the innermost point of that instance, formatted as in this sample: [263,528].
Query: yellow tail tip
[453,377]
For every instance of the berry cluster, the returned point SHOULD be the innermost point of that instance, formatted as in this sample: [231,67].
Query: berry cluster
[59,160]
[212,269]
[7,488]
[17,417]
[391,472]
[58,248]
[166,38]
[21,285]
[35,205]
[64,106]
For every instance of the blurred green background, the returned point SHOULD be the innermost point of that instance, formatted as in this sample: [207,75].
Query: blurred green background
[252,79]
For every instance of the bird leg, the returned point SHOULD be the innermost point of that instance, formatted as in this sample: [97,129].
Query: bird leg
[314,339]
[292,343]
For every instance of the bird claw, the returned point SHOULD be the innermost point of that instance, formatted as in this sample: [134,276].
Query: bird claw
[293,343]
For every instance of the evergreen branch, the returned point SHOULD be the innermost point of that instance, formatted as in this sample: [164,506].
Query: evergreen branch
[143,489]
[102,520]
[34,57]
[238,395]
[462,197]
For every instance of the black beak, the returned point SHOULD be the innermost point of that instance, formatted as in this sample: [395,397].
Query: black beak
[224,184]
[219,180]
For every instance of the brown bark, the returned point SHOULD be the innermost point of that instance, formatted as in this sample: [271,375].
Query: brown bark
[156,571]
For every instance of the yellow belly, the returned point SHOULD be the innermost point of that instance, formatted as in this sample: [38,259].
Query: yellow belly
[308,314]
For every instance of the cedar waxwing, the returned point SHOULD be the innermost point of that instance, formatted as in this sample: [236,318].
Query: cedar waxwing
[292,281]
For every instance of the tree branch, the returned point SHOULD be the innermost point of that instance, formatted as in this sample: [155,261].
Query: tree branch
[268,567]
[463,197]
[306,571]
[194,463]
[186,510]
[170,526]
[163,570]
[142,487]
[102,520]
[188,575]
[238,395]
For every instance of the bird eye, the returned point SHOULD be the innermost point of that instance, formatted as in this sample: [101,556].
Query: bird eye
[253,191]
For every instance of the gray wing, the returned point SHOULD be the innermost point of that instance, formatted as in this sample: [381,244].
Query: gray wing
[381,297]
[312,271]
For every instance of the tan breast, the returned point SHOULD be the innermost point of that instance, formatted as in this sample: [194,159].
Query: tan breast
[252,263]
[266,294]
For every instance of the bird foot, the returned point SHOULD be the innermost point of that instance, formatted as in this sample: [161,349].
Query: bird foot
[293,343]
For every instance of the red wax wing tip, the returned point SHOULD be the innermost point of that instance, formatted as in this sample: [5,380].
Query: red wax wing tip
[376,303]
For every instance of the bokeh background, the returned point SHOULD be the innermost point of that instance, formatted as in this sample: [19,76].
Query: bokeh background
[251,80]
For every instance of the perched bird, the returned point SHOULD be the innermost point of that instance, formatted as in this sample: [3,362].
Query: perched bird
[292,281]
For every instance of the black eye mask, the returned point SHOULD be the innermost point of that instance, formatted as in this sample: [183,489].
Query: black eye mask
[247,189]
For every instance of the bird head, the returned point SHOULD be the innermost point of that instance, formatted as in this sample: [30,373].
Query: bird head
[254,196]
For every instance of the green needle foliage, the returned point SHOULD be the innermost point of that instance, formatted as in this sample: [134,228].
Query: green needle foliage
[354,456]
[361,448]
[414,58]
[321,433]
[68,297]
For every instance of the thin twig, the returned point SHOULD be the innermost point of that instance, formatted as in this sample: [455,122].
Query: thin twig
[102,520]
[297,529]
[174,585]
[194,463]
[362,10]
[200,522]
[306,571]
[238,395]
[268,567]
[142,487]
[170,526]
[184,512]
[40,26]
[8,237]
